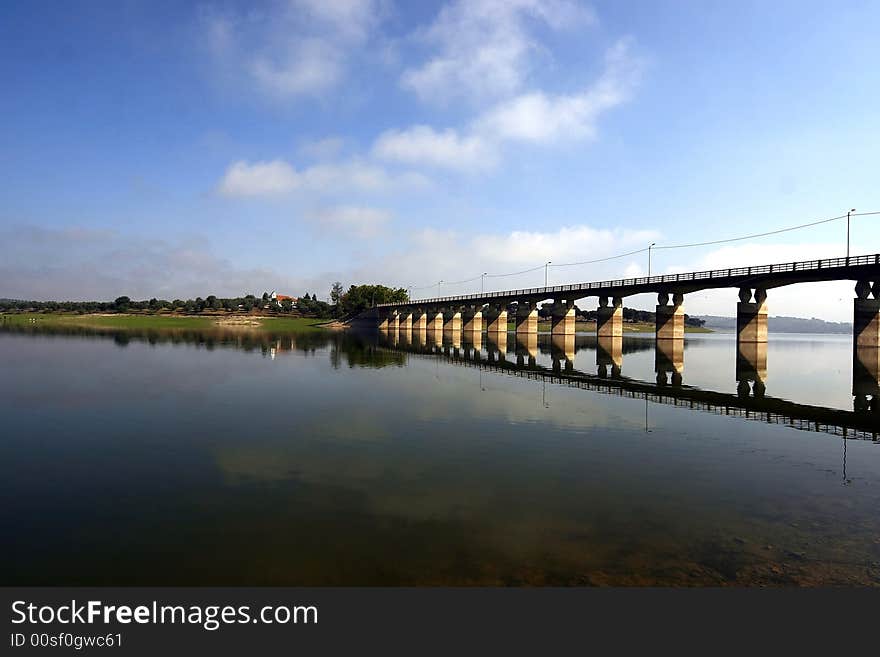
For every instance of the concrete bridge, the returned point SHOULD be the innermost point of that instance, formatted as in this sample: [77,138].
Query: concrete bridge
[488,311]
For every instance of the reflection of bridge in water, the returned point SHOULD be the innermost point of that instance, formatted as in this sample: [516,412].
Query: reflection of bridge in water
[518,357]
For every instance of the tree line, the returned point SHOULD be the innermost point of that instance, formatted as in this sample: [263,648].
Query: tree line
[357,299]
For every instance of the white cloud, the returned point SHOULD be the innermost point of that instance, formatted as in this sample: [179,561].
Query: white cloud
[352,221]
[259,179]
[485,48]
[422,144]
[534,117]
[309,66]
[539,117]
[279,177]
[301,47]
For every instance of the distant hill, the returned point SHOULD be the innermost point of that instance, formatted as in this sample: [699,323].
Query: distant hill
[781,324]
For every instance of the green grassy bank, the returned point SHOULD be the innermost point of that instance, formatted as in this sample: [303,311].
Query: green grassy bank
[202,322]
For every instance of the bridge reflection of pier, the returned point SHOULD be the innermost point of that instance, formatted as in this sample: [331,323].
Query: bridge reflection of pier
[517,354]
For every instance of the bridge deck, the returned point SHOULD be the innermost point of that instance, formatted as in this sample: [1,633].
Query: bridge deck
[766,276]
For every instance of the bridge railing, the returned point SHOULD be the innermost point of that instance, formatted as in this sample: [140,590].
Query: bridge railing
[786,267]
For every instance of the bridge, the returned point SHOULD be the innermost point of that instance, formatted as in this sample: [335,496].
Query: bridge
[488,311]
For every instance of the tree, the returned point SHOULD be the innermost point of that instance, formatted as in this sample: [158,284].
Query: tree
[336,292]
[122,303]
[360,297]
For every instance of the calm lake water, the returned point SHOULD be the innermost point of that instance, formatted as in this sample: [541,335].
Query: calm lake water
[233,458]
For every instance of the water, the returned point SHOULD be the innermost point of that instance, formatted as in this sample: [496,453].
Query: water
[332,458]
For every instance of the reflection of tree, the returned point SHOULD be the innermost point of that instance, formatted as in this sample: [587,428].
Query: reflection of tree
[358,350]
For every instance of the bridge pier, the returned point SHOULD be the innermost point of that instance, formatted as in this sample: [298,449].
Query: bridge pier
[451,319]
[751,368]
[609,319]
[406,320]
[562,317]
[609,353]
[435,320]
[669,324]
[419,320]
[751,316]
[866,315]
[382,321]
[496,318]
[526,318]
[394,321]
[472,319]
[866,346]
[669,359]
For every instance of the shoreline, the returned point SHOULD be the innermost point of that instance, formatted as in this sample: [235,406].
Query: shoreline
[244,322]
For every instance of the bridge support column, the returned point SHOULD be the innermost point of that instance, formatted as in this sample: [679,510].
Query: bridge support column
[452,319]
[609,319]
[419,320]
[751,316]
[406,320]
[866,315]
[435,320]
[496,319]
[394,321]
[670,318]
[751,368]
[382,321]
[472,319]
[526,318]
[562,317]
[609,353]
[866,347]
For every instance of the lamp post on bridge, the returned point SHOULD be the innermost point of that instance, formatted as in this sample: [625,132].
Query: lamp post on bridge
[439,283]
[546,270]
[482,277]
[650,246]
[848,213]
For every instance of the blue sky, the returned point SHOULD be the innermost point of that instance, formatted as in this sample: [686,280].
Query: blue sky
[172,150]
